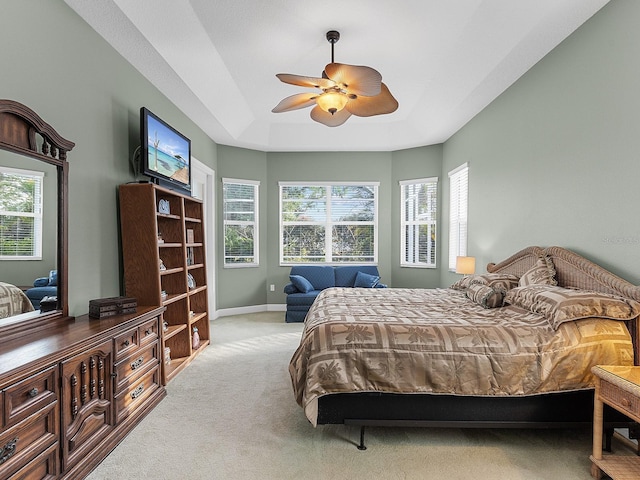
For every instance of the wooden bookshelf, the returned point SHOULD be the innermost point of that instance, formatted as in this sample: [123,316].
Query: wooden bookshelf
[175,238]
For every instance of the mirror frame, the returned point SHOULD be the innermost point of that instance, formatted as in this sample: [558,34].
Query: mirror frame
[20,128]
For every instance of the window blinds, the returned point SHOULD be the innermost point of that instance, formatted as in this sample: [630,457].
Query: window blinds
[418,222]
[20,214]
[458,207]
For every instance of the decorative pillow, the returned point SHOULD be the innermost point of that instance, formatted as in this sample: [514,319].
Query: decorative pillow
[53,278]
[542,273]
[560,305]
[485,296]
[498,281]
[301,283]
[365,280]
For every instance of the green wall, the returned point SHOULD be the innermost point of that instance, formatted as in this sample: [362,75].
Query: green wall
[54,63]
[243,286]
[327,166]
[423,162]
[555,159]
[250,286]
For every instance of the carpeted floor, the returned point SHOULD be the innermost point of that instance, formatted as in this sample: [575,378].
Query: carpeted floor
[231,415]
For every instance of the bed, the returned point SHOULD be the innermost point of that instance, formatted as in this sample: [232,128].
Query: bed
[442,357]
[13,301]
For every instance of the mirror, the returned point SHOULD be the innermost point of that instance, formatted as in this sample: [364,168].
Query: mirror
[32,153]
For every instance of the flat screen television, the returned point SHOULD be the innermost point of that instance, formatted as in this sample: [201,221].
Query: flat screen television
[165,153]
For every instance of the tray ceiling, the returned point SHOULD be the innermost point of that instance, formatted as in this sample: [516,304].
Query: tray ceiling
[443,61]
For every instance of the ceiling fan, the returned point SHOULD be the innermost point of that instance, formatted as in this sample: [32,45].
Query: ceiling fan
[345,90]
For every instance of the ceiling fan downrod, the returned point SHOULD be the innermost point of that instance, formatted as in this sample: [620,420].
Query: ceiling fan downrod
[333,36]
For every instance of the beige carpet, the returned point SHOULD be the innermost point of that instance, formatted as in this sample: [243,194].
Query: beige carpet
[231,415]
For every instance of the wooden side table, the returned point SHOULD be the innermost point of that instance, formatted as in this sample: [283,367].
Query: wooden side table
[618,387]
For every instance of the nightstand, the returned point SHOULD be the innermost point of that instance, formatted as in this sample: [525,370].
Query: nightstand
[618,387]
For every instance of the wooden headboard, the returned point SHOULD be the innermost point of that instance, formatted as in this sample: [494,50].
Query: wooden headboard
[575,271]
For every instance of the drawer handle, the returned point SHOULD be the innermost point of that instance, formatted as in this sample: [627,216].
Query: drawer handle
[148,331]
[625,402]
[137,392]
[8,450]
[137,363]
[33,392]
[126,343]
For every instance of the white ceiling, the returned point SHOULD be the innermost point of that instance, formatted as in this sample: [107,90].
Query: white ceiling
[444,61]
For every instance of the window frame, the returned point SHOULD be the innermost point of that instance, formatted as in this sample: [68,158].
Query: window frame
[255,222]
[458,213]
[37,214]
[404,223]
[328,223]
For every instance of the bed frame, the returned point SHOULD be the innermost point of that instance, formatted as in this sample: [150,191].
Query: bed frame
[551,410]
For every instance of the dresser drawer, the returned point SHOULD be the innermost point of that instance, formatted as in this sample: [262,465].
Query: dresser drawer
[128,400]
[43,467]
[620,399]
[131,368]
[22,443]
[126,343]
[149,331]
[30,395]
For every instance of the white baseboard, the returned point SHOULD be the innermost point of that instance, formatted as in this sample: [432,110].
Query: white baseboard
[269,307]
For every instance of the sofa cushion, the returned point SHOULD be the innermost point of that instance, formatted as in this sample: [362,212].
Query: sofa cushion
[320,276]
[302,284]
[346,275]
[305,299]
[364,280]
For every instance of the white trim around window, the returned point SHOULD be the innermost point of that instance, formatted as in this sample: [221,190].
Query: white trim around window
[240,212]
[418,219]
[328,223]
[458,212]
[21,214]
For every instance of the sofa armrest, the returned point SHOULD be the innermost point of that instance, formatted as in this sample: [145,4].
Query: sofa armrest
[380,285]
[290,288]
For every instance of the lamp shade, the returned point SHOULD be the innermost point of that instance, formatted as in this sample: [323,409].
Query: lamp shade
[466,265]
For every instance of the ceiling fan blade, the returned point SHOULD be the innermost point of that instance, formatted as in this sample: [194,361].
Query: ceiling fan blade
[368,106]
[356,79]
[303,81]
[294,102]
[329,120]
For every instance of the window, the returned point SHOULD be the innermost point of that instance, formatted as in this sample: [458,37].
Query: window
[20,214]
[328,223]
[418,210]
[240,204]
[458,206]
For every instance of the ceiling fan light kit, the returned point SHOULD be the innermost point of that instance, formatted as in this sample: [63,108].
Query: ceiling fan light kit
[332,101]
[345,90]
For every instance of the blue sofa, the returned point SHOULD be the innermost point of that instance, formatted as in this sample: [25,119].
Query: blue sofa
[43,287]
[302,292]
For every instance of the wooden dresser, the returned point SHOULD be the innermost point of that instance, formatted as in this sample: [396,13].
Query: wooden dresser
[71,393]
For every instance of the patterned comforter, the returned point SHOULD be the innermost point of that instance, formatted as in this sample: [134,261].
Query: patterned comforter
[438,341]
[13,301]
